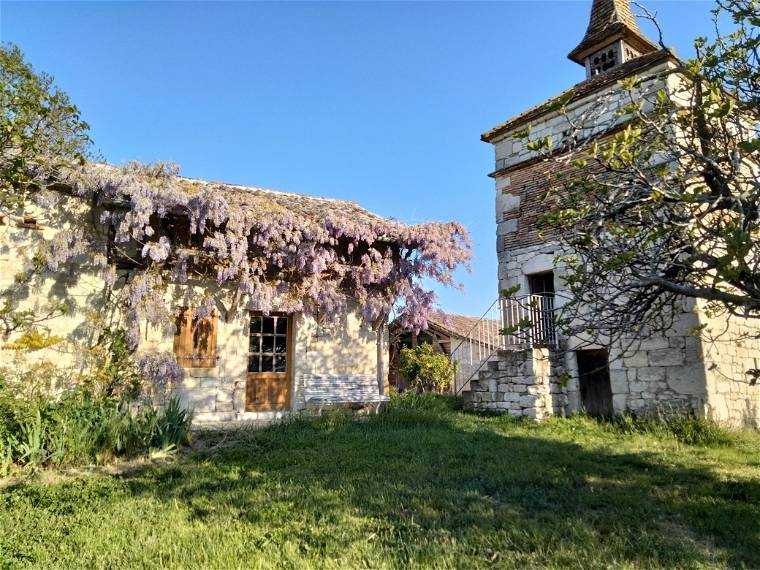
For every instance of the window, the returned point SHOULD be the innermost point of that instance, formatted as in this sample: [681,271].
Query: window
[541,307]
[195,340]
[603,61]
[268,344]
[541,283]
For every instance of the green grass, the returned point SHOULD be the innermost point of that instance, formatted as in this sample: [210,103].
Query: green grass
[421,485]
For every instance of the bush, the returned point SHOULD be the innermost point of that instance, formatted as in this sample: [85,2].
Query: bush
[425,369]
[83,427]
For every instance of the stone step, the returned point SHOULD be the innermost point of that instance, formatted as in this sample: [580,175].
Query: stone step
[512,354]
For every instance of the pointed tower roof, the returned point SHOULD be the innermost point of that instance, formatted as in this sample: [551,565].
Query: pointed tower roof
[611,20]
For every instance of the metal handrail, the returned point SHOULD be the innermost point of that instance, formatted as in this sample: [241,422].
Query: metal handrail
[530,320]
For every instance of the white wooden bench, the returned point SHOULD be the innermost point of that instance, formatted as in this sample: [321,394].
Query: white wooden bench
[356,391]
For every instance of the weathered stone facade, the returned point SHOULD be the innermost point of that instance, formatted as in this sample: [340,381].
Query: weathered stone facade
[675,370]
[214,394]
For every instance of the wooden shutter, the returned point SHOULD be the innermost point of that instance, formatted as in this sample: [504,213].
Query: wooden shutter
[195,340]
[183,338]
[204,341]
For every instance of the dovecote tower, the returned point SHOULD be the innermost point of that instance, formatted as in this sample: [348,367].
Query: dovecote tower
[670,371]
[612,38]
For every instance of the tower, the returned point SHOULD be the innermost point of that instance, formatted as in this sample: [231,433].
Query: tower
[612,38]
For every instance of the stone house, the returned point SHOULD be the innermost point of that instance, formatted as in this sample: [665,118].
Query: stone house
[241,365]
[542,376]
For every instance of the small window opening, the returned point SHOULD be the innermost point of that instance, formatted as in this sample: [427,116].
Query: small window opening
[541,283]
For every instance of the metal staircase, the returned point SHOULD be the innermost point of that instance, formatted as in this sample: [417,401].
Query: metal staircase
[510,323]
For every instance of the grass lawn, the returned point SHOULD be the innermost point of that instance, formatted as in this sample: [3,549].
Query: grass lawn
[415,486]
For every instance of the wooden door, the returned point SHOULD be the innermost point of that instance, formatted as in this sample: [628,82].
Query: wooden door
[268,385]
[594,376]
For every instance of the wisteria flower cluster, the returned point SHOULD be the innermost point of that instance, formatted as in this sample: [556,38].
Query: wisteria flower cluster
[264,250]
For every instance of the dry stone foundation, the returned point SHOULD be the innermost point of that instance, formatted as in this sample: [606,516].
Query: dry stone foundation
[521,383]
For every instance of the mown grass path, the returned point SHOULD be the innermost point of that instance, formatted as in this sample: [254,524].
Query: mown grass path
[427,487]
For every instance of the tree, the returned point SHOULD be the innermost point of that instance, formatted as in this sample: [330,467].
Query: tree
[41,131]
[658,195]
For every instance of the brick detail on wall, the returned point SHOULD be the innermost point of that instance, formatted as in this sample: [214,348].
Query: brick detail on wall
[530,183]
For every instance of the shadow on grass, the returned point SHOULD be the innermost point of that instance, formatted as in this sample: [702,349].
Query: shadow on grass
[425,486]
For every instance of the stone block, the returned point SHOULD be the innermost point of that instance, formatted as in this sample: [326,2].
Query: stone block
[224,395]
[506,227]
[654,343]
[203,372]
[210,383]
[619,402]
[529,400]
[504,181]
[636,403]
[685,379]
[619,381]
[636,360]
[198,399]
[213,417]
[530,412]
[666,357]
[650,375]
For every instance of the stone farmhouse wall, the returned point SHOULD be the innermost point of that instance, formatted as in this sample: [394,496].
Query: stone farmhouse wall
[675,370]
[731,395]
[218,394]
[214,394]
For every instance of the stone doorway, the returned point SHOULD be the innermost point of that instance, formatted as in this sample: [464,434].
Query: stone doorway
[594,380]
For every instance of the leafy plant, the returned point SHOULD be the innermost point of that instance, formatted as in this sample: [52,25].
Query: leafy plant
[84,426]
[31,442]
[678,424]
[172,425]
[425,369]
[113,366]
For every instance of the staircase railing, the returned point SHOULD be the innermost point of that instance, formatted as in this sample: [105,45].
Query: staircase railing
[509,323]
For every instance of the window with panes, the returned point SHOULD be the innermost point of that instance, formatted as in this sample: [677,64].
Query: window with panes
[268,344]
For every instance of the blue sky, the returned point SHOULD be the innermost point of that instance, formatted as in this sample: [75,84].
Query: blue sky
[380,103]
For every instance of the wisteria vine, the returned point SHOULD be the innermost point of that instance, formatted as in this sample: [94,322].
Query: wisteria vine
[260,254]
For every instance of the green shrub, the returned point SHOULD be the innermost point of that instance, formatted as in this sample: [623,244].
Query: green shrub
[83,427]
[426,401]
[425,369]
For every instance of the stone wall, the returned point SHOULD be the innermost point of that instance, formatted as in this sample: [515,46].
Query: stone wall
[733,394]
[520,383]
